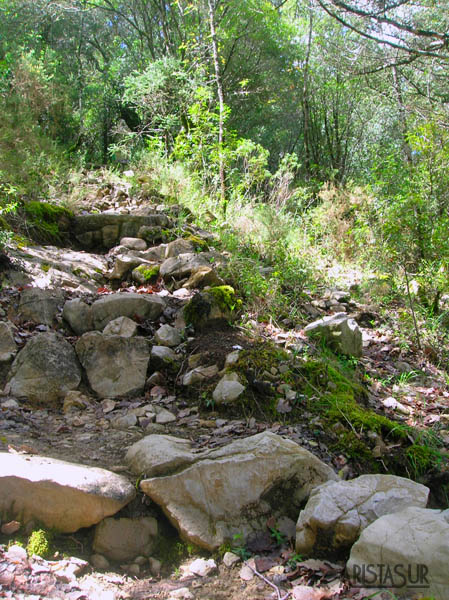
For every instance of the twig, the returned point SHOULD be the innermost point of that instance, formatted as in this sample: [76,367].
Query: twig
[267,581]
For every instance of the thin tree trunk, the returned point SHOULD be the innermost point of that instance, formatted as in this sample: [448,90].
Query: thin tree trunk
[306,101]
[212,7]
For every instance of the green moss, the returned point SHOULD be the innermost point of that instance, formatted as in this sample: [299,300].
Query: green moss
[224,296]
[198,242]
[39,543]
[47,221]
[45,267]
[148,273]
[196,310]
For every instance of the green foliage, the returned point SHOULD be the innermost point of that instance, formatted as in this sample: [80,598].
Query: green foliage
[39,543]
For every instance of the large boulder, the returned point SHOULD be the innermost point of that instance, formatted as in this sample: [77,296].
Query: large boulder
[338,511]
[132,305]
[406,552]
[115,365]
[45,369]
[341,333]
[40,306]
[159,455]
[235,488]
[59,494]
[125,539]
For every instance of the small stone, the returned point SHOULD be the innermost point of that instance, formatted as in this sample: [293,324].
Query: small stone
[73,400]
[98,561]
[133,244]
[10,404]
[230,559]
[246,574]
[140,560]
[16,554]
[11,527]
[124,421]
[123,326]
[228,389]
[164,416]
[155,379]
[202,567]
[134,569]
[167,336]
[199,374]
[181,594]
[155,566]
[232,358]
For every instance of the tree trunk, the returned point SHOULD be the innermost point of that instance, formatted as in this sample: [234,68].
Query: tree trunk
[221,106]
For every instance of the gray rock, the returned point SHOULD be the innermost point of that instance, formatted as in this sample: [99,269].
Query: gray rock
[125,539]
[201,277]
[162,356]
[115,365]
[45,369]
[40,306]
[182,265]
[233,489]
[159,455]
[164,416]
[177,247]
[199,374]
[78,315]
[415,538]
[8,346]
[123,264]
[228,389]
[132,305]
[98,561]
[134,244]
[337,512]
[167,336]
[58,494]
[122,326]
[201,567]
[341,332]
[230,559]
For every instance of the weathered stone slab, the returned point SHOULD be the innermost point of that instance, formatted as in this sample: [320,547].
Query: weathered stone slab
[233,489]
[132,305]
[59,494]
[402,551]
[115,365]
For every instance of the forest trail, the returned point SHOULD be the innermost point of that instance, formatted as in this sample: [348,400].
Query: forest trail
[94,423]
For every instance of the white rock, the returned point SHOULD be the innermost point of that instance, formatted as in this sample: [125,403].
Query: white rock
[158,455]
[338,511]
[123,326]
[228,389]
[208,500]
[42,489]
[415,538]
[342,333]
[230,559]
[202,567]
[167,336]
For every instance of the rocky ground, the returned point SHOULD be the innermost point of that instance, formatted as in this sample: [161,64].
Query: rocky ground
[79,392]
